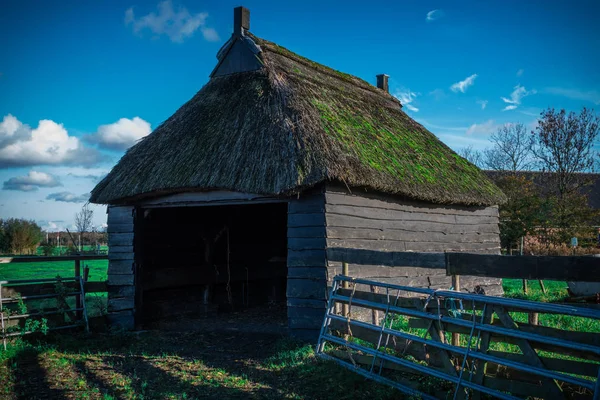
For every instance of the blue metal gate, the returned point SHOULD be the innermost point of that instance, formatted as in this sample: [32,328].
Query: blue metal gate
[540,361]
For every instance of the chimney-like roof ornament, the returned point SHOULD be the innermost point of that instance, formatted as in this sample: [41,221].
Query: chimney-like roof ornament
[241,21]
[382,82]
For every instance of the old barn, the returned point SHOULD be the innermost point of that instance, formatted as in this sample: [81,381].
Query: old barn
[232,202]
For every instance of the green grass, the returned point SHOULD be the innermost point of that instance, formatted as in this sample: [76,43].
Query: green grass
[177,366]
[96,302]
[52,269]
[555,290]
[62,250]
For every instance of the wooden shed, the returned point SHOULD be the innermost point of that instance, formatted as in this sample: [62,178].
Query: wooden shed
[233,201]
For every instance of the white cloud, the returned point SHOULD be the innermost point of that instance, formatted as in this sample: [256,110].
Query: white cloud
[440,127]
[48,144]
[438,94]
[459,141]
[592,96]
[176,24]
[483,129]
[482,103]
[515,97]
[31,182]
[531,112]
[210,34]
[406,97]
[52,226]
[464,84]
[520,72]
[91,177]
[68,197]
[434,14]
[122,134]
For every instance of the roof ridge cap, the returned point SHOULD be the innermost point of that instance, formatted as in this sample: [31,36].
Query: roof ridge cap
[322,68]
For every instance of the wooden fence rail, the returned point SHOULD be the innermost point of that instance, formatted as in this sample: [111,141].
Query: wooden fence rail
[559,268]
[90,287]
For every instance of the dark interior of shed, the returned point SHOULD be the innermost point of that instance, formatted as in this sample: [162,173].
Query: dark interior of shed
[204,261]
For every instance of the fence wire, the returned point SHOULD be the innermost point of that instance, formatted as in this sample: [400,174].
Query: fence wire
[463,367]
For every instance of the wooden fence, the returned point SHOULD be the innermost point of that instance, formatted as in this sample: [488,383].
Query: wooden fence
[556,268]
[41,288]
[560,268]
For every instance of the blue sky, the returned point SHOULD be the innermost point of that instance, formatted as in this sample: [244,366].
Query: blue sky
[81,81]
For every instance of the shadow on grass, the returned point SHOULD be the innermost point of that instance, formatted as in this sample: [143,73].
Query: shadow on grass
[32,380]
[218,365]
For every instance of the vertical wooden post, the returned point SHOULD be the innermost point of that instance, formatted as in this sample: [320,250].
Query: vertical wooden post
[345,308]
[533,318]
[78,299]
[456,286]
[542,286]
[525,286]
[375,313]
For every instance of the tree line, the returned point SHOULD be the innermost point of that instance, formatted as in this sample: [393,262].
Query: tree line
[544,173]
[21,236]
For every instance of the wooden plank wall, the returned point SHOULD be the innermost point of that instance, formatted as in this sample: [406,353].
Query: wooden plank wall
[307,269]
[361,220]
[121,289]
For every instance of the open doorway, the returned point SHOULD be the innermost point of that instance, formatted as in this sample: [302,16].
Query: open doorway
[206,261]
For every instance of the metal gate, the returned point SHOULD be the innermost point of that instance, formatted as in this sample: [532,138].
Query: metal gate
[470,343]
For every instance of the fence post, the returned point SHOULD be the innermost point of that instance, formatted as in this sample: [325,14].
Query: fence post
[456,286]
[542,286]
[375,313]
[533,318]
[78,299]
[345,285]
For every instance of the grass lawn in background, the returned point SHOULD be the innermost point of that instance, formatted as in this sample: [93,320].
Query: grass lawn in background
[50,269]
[96,302]
[64,249]
[555,290]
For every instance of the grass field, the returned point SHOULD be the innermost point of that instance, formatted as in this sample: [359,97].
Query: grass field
[62,250]
[52,269]
[161,365]
[96,302]
[177,366]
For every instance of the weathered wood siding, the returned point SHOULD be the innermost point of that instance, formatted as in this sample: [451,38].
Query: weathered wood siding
[361,220]
[121,289]
[307,268]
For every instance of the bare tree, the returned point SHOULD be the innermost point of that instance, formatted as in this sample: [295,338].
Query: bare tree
[564,146]
[471,155]
[83,220]
[510,149]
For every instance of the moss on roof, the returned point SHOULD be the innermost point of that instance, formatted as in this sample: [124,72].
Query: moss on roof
[289,126]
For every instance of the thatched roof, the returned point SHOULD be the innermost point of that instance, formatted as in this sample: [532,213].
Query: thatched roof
[289,126]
